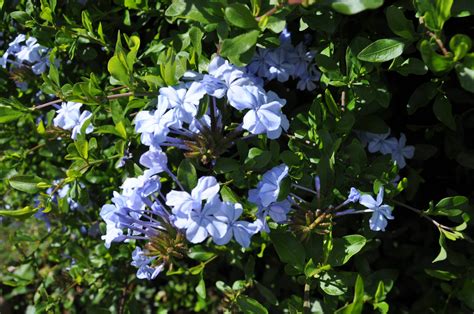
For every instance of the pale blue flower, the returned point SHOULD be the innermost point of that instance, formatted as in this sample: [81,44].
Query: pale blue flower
[300,58]
[68,115]
[154,126]
[268,188]
[184,100]
[279,65]
[401,152]
[155,160]
[142,262]
[183,203]
[381,143]
[242,231]
[259,65]
[381,212]
[354,196]
[202,222]
[264,113]
[83,118]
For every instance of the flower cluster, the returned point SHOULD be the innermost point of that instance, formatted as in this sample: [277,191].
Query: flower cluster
[142,212]
[177,119]
[286,61]
[388,145]
[23,52]
[69,117]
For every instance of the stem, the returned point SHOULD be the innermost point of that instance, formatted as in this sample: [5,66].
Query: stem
[175,179]
[307,303]
[213,115]
[422,214]
[304,189]
[109,97]
[439,43]
[270,12]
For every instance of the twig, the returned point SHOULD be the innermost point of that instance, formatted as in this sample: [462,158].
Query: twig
[439,43]
[307,303]
[422,214]
[343,100]
[57,101]
[270,12]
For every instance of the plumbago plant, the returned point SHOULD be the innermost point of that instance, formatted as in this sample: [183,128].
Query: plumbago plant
[257,156]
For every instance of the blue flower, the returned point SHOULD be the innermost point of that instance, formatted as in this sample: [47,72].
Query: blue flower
[380,143]
[68,115]
[381,212]
[259,65]
[142,262]
[83,118]
[279,66]
[242,231]
[154,126]
[354,196]
[264,113]
[269,187]
[401,151]
[155,160]
[184,100]
[277,211]
[202,222]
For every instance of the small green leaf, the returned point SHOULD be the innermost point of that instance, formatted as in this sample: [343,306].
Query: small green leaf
[460,44]
[465,76]
[187,174]
[434,12]
[201,289]
[233,48]
[250,306]
[239,15]
[82,147]
[25,212]
[25,183]
[344,248]
[350,7]
[443,111]
[288,248]
[399,24]
[442,255]
[421,96]
[449,206]
[382,50]
[437,63]
[199,253]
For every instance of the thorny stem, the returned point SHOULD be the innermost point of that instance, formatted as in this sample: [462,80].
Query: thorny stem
[422,214]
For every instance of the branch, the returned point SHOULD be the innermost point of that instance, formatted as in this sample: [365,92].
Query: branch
[439,43]
[422,214]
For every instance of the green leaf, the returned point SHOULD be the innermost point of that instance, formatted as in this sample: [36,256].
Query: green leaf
[408,66]
[437,63]
[224,165]
[344,248]
[239,15]
[465,76]
[442,255]
[288,248]
[399,24]
[250,306]
[358,302]
[118,70]
[382,50]
[233,48]
[25,183]
[434,12]
[25,212]
[187,174]
[421,96]
[201,289]
[20,16]
[199,253]
[441,274]
[443,111]
[8,114]
[449,206]
[460,44]
[331,104]
[228,195]
[82,147]
[350,7]
[335,283]
[257,158]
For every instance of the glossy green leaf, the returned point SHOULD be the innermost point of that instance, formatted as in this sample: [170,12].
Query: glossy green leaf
[250,306]
[443,111]
[239,15]
[288,248]
[399,24]
[460,45]
[25,183]
[382,50]
[350,7]
[344,248]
